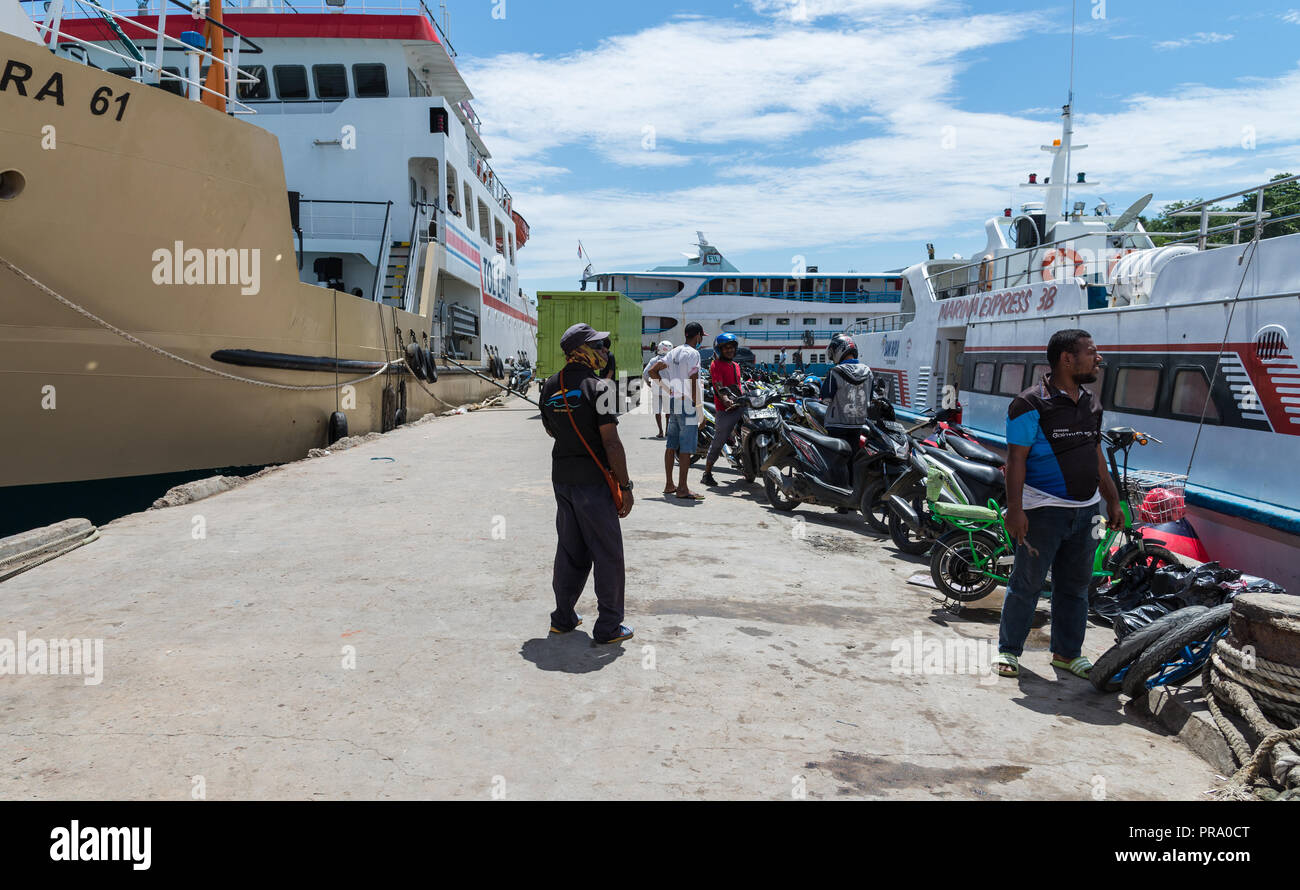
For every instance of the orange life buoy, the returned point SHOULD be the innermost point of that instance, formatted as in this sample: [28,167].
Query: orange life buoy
[1110,272]
[986,274]
[1057,253]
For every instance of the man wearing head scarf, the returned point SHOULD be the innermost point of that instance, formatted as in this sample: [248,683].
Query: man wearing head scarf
[579,412]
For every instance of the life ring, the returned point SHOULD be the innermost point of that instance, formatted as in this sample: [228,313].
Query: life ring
[1050,259]
[1110,272]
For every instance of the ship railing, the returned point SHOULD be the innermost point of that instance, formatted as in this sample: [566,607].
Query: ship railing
[1098,252]
[880,324]
[294,7]
[362,220]
[483,170]
[52,34]
[385,251]
[1255,220]
[423,226]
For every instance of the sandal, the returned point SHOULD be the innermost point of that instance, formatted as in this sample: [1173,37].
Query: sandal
[1006,665]
[1079,666]
[690,496]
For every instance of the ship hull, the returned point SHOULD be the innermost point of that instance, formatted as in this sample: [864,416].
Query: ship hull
[108,216]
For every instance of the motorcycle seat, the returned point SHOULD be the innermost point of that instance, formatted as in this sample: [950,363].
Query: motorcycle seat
[982,474]
[973,451]
[827,443]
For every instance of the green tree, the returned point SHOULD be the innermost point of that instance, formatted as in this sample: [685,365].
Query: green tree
[1279,201]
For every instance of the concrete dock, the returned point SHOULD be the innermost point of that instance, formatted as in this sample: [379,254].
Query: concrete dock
[372,624]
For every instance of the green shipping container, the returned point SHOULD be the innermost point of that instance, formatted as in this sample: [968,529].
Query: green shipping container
[557,311]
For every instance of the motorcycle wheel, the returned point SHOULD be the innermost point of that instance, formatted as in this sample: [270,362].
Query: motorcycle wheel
[952,565]
[1107,675]
[1180,654]
[775,497]
[874,507]
[902,535]
[749,462]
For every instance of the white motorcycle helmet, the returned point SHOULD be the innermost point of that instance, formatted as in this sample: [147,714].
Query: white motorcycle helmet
[664,347]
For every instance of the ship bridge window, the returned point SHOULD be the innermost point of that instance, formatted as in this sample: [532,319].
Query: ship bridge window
[1191,387]
[1136,388]
[1012,380]
[371,79]
[291,81]
[259,90]
[331,81]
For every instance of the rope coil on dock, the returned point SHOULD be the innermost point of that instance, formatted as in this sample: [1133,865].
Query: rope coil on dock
[157,350]
[1264,689]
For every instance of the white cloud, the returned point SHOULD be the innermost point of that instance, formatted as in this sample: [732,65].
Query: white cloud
[1200,38]
[862,10]
[733,98]
[1292,16]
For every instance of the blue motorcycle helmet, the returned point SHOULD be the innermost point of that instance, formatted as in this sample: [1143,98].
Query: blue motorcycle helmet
[724,340]
[813,379]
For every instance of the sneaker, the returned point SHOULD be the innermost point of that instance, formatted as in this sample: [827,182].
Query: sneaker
[708,479]
[556,630]
[624,633]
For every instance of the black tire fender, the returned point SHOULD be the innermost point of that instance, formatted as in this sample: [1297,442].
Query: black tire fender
[1127,650]
[1202,627]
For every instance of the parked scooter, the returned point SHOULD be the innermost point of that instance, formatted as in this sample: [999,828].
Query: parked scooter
[521,377]
[911,527]
[808,467]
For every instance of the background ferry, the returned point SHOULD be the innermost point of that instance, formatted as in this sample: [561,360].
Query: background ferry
[1196,340]
[797,310]
[334,149]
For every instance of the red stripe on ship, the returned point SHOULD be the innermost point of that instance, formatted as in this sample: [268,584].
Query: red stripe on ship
[493,303]
[457,243]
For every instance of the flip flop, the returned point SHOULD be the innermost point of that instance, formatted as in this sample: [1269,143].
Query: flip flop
[690,497]
[672,490]
[1079,666]
[1006,664]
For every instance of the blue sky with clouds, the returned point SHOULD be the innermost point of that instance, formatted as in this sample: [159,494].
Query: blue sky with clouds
[852,132]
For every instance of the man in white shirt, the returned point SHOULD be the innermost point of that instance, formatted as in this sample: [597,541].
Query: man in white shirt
[679,374]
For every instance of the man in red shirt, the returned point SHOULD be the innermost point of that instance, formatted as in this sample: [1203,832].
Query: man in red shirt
[724,375]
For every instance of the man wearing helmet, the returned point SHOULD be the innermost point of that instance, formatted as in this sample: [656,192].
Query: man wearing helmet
[846,391]
[651,389]
[724,374]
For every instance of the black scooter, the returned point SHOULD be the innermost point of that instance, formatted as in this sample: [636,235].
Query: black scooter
[807,467]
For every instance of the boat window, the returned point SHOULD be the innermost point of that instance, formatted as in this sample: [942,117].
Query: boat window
[413,192]
[715,285]
[371,79]
[1191,386]
[259,90]
[810,321]
[291,81]
[983,377]
[836,321]
[756,321]
[331,81]
[1012,381]
[806,286]
[785,321]
[469,207]
[128,73]
[746,285]
[1136,388]
[1041,370]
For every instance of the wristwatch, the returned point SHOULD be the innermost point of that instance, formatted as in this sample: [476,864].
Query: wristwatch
[627,487]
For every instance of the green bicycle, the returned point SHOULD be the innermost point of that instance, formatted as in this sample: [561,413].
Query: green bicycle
[976,554]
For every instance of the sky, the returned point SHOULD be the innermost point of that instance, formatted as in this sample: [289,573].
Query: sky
[850,133]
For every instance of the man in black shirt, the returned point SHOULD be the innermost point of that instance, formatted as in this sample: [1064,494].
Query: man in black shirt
[579,413]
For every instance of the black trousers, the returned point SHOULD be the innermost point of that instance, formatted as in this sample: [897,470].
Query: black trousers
[589,533]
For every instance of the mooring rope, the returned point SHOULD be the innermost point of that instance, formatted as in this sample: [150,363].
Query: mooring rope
[157,350]
[1265,688]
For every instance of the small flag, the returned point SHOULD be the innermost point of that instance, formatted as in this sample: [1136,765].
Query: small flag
[579,250]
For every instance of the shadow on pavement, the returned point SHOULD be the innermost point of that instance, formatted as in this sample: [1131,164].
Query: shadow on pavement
[571,653]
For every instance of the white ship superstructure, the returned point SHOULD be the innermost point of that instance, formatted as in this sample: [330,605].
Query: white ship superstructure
[1197,340]
[798,309]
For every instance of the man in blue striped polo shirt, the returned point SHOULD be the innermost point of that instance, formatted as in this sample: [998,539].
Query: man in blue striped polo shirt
[1056,476]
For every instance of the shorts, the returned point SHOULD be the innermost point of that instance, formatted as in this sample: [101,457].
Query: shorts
[683,433]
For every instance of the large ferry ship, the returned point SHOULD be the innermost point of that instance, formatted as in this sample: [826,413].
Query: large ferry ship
[1196,339]
[798,310]
[225,237]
